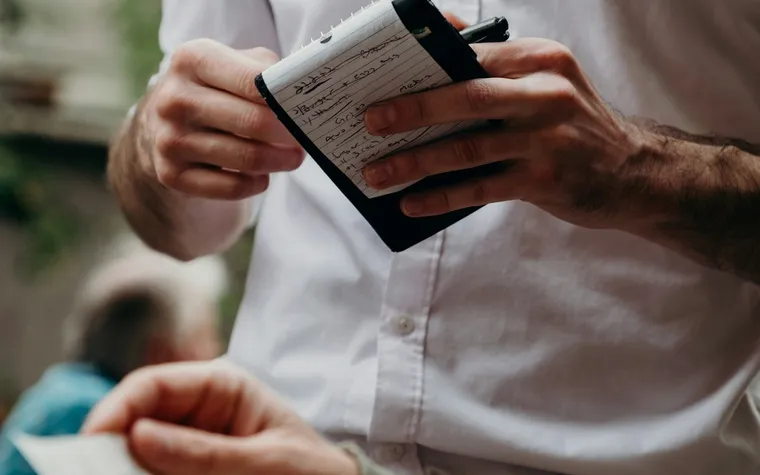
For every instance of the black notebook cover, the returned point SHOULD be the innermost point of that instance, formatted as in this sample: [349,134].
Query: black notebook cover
[447,47]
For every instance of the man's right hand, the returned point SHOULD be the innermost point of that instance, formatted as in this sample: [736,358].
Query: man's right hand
[202,140]
[206,132]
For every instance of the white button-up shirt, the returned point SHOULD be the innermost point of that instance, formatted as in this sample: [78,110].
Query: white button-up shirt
[513,343]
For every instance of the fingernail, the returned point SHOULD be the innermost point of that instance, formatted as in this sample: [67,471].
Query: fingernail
[413,206]
[376,175]
[379,119]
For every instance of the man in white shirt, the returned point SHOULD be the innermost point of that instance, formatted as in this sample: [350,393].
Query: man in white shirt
[602,315]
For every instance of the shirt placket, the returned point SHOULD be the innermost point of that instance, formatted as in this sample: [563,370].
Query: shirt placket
[401,347]
[401,340]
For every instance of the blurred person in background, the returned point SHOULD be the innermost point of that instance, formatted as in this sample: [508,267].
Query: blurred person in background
[139,308]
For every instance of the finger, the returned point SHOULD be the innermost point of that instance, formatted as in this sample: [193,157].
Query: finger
[506,186]
[169,449]
[213,184]
[168,392]
[464,151]
[518,58]
[455,21]
[263,55]
[221,67]
[536,97]
[228,397]
[201,106]
[226,151]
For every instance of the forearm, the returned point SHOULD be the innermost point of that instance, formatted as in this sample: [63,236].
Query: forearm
[176,224]
[699,196]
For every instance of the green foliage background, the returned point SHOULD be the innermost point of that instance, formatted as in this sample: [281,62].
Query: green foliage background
[50,226]
[139,21]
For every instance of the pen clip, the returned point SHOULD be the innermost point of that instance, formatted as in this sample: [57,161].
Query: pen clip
[493,30]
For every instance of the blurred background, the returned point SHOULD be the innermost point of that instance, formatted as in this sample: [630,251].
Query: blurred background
[69,71]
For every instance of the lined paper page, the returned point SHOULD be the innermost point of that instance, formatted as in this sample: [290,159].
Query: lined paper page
[326,87]
[76,455]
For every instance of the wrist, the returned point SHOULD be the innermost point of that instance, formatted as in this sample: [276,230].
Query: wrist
[145,203]
[677,176]
[648,182]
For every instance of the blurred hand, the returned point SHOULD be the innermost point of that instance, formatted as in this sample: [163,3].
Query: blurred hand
[567,147]
[206,130]
[213,419]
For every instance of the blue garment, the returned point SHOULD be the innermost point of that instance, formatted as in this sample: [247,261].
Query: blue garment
[57,405]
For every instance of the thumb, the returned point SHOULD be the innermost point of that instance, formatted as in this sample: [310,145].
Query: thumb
[169,449]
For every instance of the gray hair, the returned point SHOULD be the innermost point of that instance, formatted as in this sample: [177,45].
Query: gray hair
[136,297]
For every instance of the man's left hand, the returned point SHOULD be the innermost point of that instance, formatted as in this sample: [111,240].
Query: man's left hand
[567,147]
[212,418]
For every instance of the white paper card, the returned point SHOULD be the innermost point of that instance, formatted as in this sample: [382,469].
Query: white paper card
[78,455]
[326,87]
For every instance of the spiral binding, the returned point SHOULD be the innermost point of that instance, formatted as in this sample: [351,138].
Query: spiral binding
[322,35]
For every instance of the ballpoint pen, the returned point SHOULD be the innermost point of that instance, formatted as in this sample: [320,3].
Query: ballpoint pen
[493,30]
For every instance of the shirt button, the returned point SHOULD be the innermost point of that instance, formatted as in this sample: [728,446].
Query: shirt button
[390,453]
[404,325]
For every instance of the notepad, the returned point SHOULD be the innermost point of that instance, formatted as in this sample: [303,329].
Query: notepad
[326,87]
[321,92]
[78,455]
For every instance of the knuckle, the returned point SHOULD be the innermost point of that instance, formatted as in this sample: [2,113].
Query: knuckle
[563,138]
[481,192]
[182,60]
[560,58]
[467,151]
[564,95]
[416,107]
[167,173]
[250,121]
[546,176]
[249,158]
[169,143]
[138,377]
[266,55]
[410,166]
[174,103]
[478,94]
[188,56]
